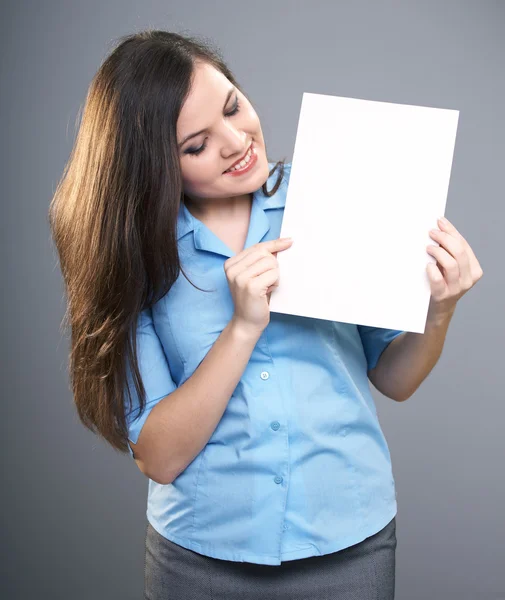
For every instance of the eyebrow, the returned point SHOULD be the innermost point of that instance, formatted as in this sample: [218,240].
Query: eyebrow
[188,137]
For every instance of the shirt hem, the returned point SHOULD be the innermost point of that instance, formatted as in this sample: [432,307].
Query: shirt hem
[286,555]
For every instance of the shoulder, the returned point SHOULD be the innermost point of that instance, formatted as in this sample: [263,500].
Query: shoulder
[287,171]
[283,171]
[287,167]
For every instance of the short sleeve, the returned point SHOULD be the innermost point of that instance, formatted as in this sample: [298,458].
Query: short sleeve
[375,340]
[155,373]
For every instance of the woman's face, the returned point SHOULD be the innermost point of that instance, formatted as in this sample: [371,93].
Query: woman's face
[231,125]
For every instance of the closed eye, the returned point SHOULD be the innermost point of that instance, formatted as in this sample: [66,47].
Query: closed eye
[197,151]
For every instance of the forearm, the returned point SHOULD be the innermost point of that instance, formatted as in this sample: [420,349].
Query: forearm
[186,418]
[409,359]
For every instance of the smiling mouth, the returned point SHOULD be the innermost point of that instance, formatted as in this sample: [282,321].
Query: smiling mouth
[237,162]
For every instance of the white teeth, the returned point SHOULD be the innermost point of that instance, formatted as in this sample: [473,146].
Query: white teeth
[242,163]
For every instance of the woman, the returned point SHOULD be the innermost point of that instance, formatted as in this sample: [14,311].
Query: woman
[269,475]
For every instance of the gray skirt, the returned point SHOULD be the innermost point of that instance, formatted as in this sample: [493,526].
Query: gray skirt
[364,571]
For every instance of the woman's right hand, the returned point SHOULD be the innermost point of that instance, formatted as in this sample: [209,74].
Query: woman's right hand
[251,275]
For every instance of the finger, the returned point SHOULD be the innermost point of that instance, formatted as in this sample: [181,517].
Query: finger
[448,262]
[265,280]
[253,259]
[260,266]
[455,247]
[271,289]
[449,228]
[438,284]
[276,245]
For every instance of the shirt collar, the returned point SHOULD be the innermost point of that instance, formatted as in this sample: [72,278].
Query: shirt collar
[204,239]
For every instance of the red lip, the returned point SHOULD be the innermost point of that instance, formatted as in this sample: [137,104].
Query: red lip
[240,159]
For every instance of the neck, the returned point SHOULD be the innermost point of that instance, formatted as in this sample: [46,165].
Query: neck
[217,209]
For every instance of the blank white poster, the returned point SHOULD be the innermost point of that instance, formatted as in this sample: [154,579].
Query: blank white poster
[368,181]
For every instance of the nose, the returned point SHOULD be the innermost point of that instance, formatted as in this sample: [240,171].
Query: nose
[235,141]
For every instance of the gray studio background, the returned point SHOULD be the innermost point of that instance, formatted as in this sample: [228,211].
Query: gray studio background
[73,510]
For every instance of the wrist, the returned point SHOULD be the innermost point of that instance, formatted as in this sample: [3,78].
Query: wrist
[440,319]
[245,331]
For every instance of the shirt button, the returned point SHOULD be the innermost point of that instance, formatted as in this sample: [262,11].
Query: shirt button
[275,425]
[265,375]
[344,431]
[285,526]
[278,479]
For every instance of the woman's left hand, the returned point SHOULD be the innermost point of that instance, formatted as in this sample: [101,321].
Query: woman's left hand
[456,271]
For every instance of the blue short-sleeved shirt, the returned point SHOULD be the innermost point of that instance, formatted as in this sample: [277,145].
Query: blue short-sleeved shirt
[298,465]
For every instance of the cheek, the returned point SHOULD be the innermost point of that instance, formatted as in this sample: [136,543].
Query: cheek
[250,114]
[190,174]
[198,174]
[258,132]
[196,168]
[254,119]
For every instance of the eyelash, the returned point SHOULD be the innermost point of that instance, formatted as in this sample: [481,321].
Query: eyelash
[196,152]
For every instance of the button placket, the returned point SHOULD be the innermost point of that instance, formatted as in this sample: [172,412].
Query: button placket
[274,425]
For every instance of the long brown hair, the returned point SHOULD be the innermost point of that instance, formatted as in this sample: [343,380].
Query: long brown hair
[113,216]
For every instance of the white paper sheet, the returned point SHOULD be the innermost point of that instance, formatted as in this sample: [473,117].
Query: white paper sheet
[368,181]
